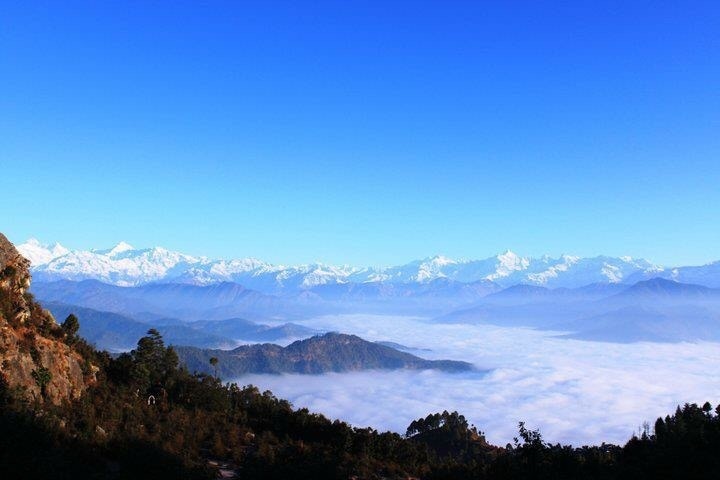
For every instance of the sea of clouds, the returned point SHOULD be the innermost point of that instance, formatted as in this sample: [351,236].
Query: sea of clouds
[574,391]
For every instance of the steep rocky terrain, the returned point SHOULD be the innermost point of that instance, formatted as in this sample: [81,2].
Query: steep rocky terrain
[34,356]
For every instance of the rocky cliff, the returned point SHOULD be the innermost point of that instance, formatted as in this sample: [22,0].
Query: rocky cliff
[35,359]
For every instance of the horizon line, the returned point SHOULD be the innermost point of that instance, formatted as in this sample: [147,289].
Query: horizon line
[454,259]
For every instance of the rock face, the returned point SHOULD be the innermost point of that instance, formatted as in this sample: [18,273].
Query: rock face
[34,358]
[14,281]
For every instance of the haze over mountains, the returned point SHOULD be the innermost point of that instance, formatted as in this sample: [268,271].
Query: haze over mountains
[655,310]
[614,299]
[118,332]
[441,317]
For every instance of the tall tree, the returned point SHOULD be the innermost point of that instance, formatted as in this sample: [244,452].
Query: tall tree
[152,362]
[70,328]
[214,362]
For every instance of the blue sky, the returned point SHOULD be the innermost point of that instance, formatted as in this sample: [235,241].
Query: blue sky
[364,132]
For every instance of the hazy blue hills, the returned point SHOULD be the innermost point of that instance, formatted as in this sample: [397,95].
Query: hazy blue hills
[91,294]
[655,309]
[332,352]
[413,298]
[401,347]
[241,329]
[533,293]
[707,275]
[183,301]
[641,323]
[434,293]
[663,290]
[227,300]
[658,310]
[599,290]
[525,305]
[116,332]
[521,292]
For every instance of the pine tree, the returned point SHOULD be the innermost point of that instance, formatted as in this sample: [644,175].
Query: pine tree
[70,328]
[214,362]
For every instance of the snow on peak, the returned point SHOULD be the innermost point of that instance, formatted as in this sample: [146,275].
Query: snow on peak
[120,248]
[39,253]
[557,268]
[613,273]
[125,265]
[58,250]
[441,260]
[507,263]
[512,260]
[432,268]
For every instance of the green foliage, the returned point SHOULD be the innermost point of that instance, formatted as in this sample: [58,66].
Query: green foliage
[152,363]
[447,435]
[70,328]
[331,352]
[42,377]
[197,418]
[684,445]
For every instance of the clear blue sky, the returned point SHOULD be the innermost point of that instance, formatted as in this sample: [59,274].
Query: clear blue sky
[364,132]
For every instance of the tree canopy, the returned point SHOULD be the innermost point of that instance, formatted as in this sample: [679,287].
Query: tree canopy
[112,432]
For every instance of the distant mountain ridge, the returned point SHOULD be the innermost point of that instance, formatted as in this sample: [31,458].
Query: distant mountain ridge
[124,265]
[119,333]
[655,310]
[116,332]
[331,352]
[661,289]
[190,302]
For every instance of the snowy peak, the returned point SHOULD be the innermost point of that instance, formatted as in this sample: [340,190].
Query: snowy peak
[507,263]
[121,265]
[125,265]
[432,268]
[33,242]
[40,254]
[120,248]
[116,250]
[441,261]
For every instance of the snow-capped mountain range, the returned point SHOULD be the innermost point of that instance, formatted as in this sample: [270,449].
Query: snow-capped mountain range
[125,265]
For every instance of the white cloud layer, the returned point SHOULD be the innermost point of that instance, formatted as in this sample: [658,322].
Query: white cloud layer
[575,391]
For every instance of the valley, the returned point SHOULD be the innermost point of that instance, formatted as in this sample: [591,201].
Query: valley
[532,350]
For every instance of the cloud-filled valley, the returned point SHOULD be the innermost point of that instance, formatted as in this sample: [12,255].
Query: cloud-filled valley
[574,391]
[360,241]
[615,350]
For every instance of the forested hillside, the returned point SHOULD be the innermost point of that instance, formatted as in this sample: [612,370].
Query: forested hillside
[332,352]
[69,411]
[148,418]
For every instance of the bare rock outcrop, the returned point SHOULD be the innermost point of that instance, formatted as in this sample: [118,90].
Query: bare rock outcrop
[34,358]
